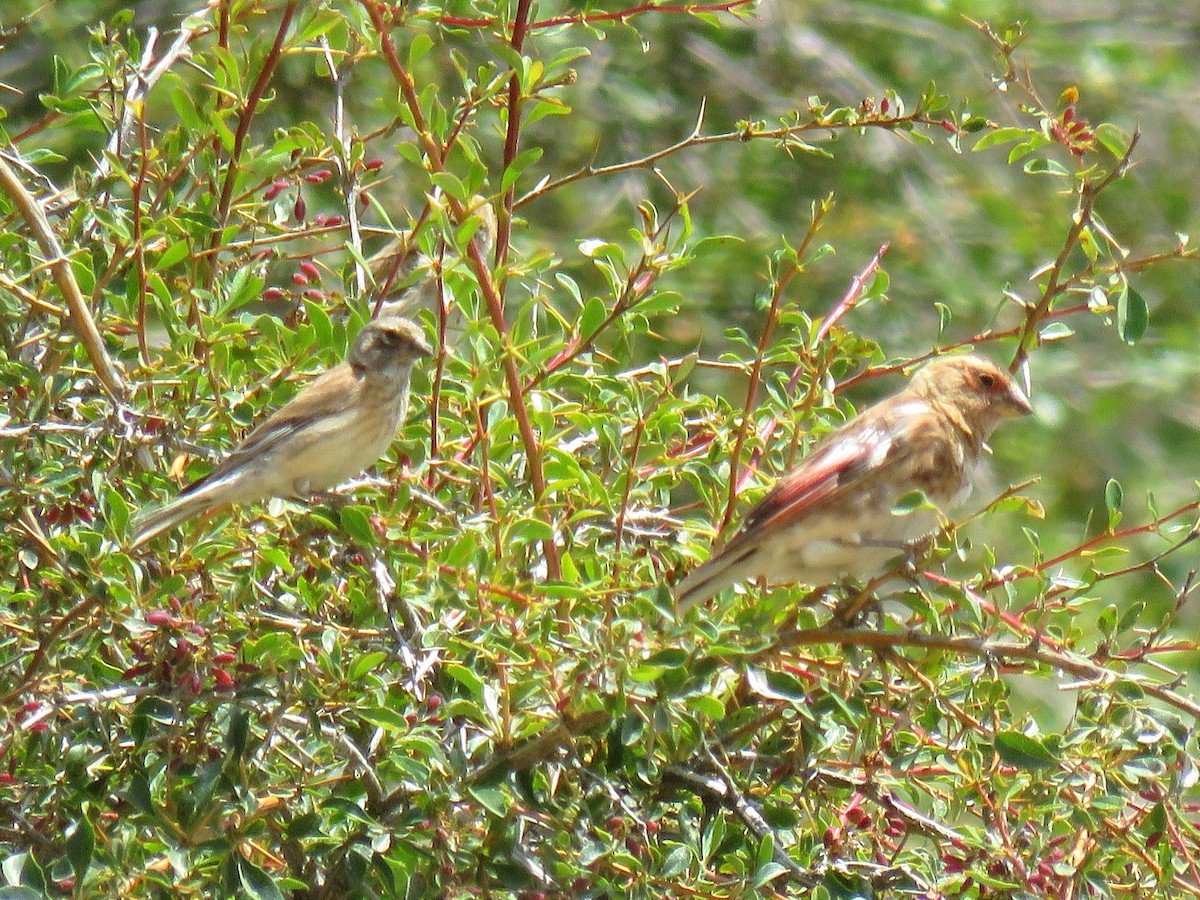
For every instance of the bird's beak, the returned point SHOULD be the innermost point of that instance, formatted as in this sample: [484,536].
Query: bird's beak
[1018,401]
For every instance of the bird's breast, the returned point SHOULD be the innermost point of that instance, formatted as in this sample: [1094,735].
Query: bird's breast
[334,448]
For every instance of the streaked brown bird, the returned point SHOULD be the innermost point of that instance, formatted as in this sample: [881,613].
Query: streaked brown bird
[333,429]
[835,516]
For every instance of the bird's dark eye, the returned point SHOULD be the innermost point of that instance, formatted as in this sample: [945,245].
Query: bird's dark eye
[987,382]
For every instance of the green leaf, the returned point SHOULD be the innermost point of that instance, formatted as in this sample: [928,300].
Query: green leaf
[20,892]
[387,719]
[1112,139]
[911,503]
[421,44]
[366,663]
[999,136]
[274,650]
[1133,316]
[776,685]
[764,875]
[1087,243]
[546,107]
[1022,751]
[566,56]
[466,678]
[322,326]
[176,253]
[451,184]
[494,800]
[669,658]
[357,524]
[1043,166]
[1155,822]
[257,884]
[81,844]
[519,165]
[1113,495]
[118,509]
[594,312]
[1055,331]
[707,705]
[187,110]
[238,733]
[571,285]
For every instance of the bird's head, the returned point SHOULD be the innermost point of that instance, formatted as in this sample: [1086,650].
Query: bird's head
[388,342]
[973,387]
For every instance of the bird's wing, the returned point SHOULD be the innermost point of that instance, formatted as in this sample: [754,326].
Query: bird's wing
[321,397]
[875,443]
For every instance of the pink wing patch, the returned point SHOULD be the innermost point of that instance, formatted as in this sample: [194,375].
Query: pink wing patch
[819,478]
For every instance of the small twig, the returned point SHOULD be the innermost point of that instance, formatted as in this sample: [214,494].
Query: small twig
[1034,652]
[720,787]
[512,132]
[81,317]
[1054,286]
[634,290]
[374,787]
[145,77]
[764,342]
[221,214]
[492,295]
[1092,543]
[593,18]
[788,134]
[542,746]
[349,178]
[854,293]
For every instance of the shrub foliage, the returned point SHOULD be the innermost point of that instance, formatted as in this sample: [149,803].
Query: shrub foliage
[462,676]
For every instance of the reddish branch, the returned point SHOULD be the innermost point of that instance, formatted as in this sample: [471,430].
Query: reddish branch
[487,285]
[764,342]
[1098,540]
[850,299]
[247,116]
[1088,194]
[1034,651]
[512,133]
[590,18]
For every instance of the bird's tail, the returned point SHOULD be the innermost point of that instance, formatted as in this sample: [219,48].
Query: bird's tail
[705,581]
[150,525]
